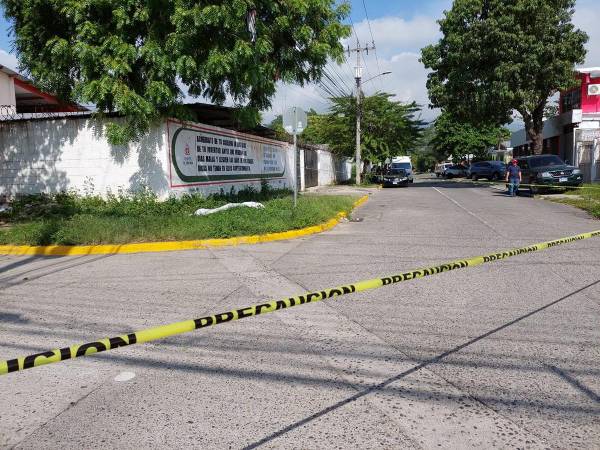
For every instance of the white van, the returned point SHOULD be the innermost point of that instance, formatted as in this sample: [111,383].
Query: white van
[403,162]
[440,169]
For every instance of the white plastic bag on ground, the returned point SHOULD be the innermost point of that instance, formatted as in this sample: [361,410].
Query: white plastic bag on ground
[206,212]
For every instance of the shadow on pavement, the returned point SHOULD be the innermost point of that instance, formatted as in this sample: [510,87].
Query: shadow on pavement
[576,384]
[448,184]
[418,394]
[7,282]
[424,364]
[444,183]
[20,262]
[12,318]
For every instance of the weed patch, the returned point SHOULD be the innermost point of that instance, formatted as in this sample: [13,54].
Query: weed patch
[69,219]
[589,201]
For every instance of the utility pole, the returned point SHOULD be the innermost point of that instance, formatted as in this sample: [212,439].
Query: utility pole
[358,77]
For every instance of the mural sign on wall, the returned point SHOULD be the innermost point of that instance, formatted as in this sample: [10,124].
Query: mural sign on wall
[201,154]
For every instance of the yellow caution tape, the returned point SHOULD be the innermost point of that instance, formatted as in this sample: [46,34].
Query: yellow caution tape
[160,332]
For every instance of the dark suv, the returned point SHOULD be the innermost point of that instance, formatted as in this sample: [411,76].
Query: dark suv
[492,170]
[548,170]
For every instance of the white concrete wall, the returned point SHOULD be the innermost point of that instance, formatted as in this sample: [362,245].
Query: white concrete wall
[333,168]
[74,154]
[8,100]
[301,170]
[326,168]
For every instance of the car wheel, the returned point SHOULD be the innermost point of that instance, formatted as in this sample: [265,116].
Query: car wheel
[475,177]
[437,175]
[533,190]
[495,176]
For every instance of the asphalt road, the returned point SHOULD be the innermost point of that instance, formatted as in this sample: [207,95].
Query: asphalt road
[505,355]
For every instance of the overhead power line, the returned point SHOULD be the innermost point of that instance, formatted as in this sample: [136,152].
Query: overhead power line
[373,42]
[341,78]
[336,86]
[354,29]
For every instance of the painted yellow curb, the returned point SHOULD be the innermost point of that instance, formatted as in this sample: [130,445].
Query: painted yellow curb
[148,247]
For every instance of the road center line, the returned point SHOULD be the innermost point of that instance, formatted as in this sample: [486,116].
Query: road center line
[483,221]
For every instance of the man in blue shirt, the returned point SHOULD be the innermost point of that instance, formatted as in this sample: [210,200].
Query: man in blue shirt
[513,178]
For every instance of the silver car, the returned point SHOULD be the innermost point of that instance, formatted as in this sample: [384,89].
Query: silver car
[456,171]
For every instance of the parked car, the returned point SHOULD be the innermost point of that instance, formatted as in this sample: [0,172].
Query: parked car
[456,171]
[492,170]
[396,177]
[548,170]
[441,168]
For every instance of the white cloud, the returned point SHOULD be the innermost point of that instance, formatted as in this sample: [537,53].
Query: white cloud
[8,60]
[395,34]
[587,18]
[398,42]
[307,97]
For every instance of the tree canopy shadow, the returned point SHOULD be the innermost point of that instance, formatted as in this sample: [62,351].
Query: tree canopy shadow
[33,152]
[429,362]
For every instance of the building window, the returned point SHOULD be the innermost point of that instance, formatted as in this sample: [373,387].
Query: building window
[551,146]
[571,100]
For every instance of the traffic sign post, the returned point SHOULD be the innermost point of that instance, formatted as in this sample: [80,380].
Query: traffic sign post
[294,123]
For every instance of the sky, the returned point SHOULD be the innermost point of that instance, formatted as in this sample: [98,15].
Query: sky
[400,29]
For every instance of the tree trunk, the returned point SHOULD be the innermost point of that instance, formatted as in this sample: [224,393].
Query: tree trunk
[534,128]
[366,164]
[537,140]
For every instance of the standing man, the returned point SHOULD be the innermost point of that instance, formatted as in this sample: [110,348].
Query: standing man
[513,178]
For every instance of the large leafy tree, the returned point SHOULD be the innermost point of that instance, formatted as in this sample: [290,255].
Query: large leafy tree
[389,128]
[137,57]
[425,155]
[498,56]
[457,139]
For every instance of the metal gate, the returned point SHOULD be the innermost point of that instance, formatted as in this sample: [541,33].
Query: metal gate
[311,168]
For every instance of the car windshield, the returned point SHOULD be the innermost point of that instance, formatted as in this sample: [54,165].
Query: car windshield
[400,166]
[545,161]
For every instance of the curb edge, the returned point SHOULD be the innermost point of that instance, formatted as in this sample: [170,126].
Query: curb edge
[172,246]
